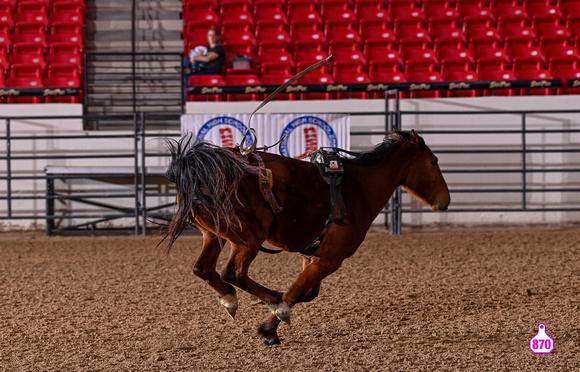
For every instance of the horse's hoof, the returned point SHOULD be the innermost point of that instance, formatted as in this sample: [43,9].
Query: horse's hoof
[255,301]
[283,312]
[275,341]
[230,303]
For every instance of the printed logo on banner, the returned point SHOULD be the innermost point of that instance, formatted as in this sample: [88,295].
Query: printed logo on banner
[224,128]
[308,135]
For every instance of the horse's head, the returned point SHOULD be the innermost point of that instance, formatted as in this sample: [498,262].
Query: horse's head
[423,179]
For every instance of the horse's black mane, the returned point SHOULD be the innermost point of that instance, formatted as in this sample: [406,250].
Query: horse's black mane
[205,176]
[374,156]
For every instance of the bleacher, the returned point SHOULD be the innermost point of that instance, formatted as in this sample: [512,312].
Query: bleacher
[391,41]
[41,46]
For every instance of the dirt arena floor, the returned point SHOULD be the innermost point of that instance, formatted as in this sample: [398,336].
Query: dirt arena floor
[425,301]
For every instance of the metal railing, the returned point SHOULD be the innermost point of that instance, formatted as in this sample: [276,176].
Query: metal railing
[144,196]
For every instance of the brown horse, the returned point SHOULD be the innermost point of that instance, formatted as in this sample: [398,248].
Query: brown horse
[218,191]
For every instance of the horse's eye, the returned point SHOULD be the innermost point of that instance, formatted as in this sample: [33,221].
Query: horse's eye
[434,162]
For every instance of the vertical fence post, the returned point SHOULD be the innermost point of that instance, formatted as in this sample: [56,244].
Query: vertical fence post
[8,170]
[133,51]
[143,177]
[524,162]
[136,171]
[394,208]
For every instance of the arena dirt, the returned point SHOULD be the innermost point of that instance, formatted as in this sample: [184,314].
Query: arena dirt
[426,301]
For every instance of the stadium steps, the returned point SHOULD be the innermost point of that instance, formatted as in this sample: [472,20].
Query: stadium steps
[109,77]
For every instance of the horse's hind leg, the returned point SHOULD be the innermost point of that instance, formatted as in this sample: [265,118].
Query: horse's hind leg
[205,268]
[236,273]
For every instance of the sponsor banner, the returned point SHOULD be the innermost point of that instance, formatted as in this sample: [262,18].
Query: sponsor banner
[301,134]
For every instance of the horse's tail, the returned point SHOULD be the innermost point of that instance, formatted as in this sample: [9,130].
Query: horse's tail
[206,176]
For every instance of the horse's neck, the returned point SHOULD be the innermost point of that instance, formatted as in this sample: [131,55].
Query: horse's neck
[378,182]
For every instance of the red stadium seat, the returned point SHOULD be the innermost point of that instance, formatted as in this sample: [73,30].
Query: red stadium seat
[534,75]
[491,57]
[236,6]
[448,38]
[196,6]
[278,79]
[388,61]
[4,58]
[236,21]
[545,16]
[65,53]
[6,14]
[372,22]
[488,37]
[425,77]
[348,62]
[455,60]
[518,36]
[476,18]
[499,61]
[498,75]
[396,6]
[302,22]
[306,59]
[456,75]
[242,79]
[343,40]
[312,78]
[420,61]
[414,40]
[562,58]
[28,53]
[329,8]
[566,74]
[388,77]
[511,17]
[24,76]
[442,18]
[62,82]
[527,58]
[293,6]
[68,32]
[308,41]
[408,18]
[262,7]
[270,20]
[352,78]
[207,17]
[558,35]
[205,80]
[28,32]
[31,11]
[363,6]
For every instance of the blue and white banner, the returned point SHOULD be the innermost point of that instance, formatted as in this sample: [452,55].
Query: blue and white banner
[302,134]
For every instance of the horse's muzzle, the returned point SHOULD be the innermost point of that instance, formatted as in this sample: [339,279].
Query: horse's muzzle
[441,206]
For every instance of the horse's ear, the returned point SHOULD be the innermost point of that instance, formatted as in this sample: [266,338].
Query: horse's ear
[414,136]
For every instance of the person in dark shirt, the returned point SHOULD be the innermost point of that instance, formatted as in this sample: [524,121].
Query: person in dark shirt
[210,62]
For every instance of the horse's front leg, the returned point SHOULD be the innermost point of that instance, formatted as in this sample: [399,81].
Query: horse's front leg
[305,288]
[205,268]
[236,272]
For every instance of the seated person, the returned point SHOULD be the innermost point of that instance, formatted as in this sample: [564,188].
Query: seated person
[205,60]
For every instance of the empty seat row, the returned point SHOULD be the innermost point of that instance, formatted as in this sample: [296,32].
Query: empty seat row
[386,77]
[31,76]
